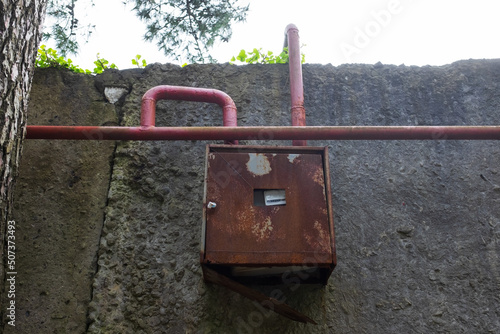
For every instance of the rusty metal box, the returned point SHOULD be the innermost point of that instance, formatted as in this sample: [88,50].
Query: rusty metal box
[267,214]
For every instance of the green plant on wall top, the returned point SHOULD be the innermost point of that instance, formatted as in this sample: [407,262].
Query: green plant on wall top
[138,62]
[102,64]
[257,56]
[49,58]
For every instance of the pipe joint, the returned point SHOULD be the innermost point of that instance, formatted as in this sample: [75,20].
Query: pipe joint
[165,92]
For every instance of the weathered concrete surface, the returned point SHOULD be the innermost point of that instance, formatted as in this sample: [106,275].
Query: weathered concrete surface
[417,223]
[59,201]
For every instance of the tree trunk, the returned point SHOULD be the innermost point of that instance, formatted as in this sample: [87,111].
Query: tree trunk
[20,32]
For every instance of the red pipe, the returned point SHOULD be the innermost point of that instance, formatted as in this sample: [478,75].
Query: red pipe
[296,85]
[266,133]
[149,99]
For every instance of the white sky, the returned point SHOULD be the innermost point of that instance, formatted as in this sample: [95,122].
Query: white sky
[411,32]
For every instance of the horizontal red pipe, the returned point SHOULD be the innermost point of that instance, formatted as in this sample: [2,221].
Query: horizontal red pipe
[266,133]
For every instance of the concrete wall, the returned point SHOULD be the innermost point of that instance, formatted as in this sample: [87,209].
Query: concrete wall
[109,235]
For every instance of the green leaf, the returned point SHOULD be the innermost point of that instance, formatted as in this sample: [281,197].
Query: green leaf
[50,58]
[258,56]
[242,56]
[137,61]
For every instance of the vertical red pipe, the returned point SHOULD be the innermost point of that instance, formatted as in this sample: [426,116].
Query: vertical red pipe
[296,85]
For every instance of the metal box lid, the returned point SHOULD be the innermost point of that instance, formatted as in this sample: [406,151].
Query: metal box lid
[269,212]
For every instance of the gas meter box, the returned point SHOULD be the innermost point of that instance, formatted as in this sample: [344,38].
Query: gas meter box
[267,214]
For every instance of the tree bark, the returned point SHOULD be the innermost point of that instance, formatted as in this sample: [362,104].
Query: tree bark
[20,32]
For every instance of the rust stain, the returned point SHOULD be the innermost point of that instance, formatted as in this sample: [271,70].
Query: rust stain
[321,239]
[258,164]
[262,230]
[318,177]
[323,236]
[275,210]
[245,217]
